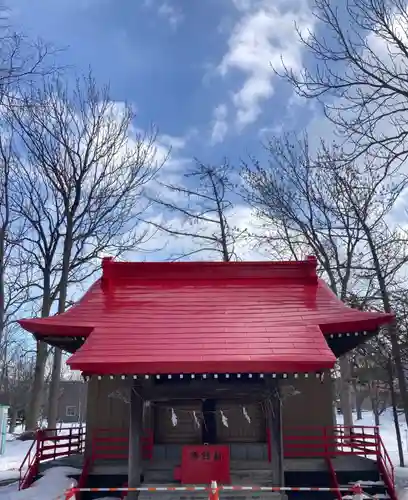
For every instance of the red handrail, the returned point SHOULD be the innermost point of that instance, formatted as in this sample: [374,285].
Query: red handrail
[328,442]
[26,470]
[83,478]
[386,467]
[48,445]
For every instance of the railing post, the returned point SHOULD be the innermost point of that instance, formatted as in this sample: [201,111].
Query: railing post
[377,442]
[38,452]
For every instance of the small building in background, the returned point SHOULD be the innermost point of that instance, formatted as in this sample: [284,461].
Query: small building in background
[72,401]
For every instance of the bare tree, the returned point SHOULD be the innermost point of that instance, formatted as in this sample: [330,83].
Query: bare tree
[21,62]
[19,378]
[371,195]
[302,208]
[340,210]
[203,201]
[312,201]
[361,54]
[92,168]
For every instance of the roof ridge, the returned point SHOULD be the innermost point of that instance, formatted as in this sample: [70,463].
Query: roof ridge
[209,270]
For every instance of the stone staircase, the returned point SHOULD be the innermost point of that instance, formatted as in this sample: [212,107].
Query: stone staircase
[242,473]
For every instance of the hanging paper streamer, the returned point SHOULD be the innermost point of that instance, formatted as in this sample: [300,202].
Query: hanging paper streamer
[244,411]
[119,395]
[173,417]
[196,421]
[224,419]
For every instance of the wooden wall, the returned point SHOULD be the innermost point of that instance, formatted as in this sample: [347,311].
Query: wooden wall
[107,405]
[312,406]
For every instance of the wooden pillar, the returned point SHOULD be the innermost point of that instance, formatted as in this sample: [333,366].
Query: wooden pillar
[274,422]
[135,430]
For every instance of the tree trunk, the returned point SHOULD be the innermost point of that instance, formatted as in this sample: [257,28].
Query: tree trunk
[395,413]
[396,353]
[13,420]
[345,393]
[53,397]
[359,398]
[37,391]
[374,402]
[392,329]
[62,300]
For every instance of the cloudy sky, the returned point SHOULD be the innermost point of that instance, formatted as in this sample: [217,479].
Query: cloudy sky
[200,70]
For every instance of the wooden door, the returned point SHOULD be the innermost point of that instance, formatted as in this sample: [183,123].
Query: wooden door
[185,431]
[239,430]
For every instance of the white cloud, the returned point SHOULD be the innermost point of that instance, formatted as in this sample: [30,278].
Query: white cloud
[167,10]
[264,35]
[172,247]
[220,126]
[173,142]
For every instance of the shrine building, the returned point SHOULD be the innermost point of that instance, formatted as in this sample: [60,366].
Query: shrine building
[201,371]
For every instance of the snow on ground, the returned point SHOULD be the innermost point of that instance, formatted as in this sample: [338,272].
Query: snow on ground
[51,486]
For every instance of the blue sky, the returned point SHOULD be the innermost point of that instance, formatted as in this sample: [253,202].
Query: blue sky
[198,69]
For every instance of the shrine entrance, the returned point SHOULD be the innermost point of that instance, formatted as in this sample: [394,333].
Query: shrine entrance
[209,427]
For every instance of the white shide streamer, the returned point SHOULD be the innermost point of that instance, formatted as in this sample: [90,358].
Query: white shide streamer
[173,417]
[244,411]
[196,421]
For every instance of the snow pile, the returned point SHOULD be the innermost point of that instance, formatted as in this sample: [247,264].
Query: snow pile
[14,454]
[51,486]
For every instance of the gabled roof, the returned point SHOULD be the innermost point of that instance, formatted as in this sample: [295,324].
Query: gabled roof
[204,317]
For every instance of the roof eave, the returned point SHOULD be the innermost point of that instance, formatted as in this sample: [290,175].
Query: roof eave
[43,327]
[107,367]
[361,322]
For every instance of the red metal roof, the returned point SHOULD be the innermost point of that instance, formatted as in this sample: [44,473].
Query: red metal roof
[203,317]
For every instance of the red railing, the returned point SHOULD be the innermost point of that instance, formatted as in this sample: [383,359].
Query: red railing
[29,468]
[308,441]
[328,442]
[83,479]
[49,445]
[109,444]
[386,467]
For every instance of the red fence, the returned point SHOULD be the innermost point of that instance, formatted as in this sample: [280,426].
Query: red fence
[112,444]
[337,440]
[49,445]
